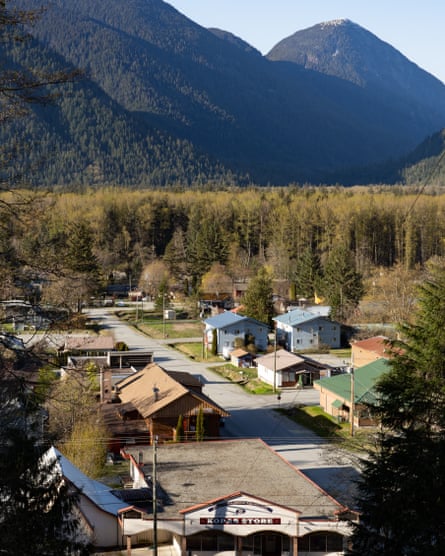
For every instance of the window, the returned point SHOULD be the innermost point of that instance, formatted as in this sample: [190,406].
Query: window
[212,541]
[321,542]
[320,328]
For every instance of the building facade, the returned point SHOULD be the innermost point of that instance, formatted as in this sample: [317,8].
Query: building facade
[301,330]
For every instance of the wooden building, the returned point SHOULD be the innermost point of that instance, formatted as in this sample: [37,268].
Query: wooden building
[155,399]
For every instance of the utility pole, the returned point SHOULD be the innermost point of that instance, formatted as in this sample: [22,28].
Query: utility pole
[275,362]
[163,314]
[351,419]
[155,500]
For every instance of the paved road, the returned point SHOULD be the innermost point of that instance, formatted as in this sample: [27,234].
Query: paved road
[253,416]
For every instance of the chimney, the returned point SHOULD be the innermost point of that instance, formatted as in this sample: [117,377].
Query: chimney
[156,393]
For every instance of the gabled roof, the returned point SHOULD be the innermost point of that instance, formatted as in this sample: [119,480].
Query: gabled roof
[186,379]
[228,318]
[90,343]
[152,389]
[239,353]
[376,344]
[365,379]
[281,360]
[97,492]
[298,316]
[224,319]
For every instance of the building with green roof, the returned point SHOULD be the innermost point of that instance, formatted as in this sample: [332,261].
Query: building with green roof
[336,398]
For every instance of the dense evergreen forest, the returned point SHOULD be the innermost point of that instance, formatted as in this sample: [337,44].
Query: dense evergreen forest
[104,231]
[162,101]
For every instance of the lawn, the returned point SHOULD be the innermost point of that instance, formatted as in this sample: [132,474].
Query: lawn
[156,327]
[195,351]
[246,378]
[315,419]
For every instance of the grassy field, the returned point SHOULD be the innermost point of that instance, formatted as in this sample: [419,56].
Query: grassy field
[315,419]
[155,326]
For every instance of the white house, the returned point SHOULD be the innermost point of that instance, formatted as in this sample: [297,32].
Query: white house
[98,507]
[229,327]
[282,368]
[299,330]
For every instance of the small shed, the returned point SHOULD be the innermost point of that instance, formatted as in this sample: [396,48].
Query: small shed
[241,358]
[169,314]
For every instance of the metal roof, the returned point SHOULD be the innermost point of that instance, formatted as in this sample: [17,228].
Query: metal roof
[224,319]
[297,316]
[365,379]
[97,492]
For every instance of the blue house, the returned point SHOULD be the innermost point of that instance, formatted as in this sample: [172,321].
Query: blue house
[299,330]
[229,327]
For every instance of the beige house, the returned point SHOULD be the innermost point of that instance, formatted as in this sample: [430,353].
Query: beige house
[369,350]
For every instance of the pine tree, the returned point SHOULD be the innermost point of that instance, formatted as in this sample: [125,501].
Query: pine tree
[257,301]
[37,513]
[402,490]
[341,285]
[307,273]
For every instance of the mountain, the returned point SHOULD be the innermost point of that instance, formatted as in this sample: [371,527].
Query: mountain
[425,164]
[345,50]
[86,138]
[230,110]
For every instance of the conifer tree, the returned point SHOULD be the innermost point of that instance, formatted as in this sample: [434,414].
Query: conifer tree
[402,490]
[200,428]
[38,509]
[257,301]
[307,273]
[341,285]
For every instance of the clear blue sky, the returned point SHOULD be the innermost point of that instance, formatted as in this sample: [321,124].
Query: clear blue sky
[414,27]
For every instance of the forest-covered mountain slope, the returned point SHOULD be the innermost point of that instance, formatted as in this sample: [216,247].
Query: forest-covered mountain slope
[271,119]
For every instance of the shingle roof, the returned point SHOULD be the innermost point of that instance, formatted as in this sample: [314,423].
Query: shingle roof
[90,343]
[282,360]
[153,389]
[365,379]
